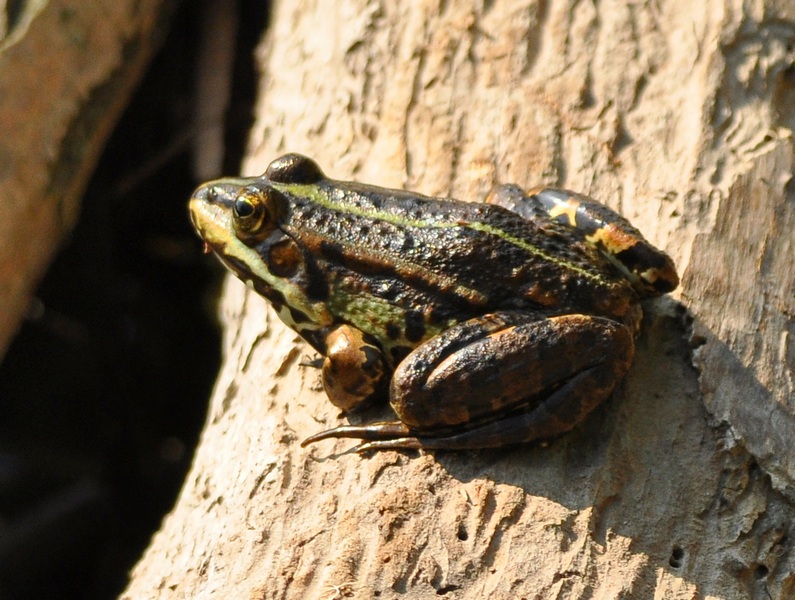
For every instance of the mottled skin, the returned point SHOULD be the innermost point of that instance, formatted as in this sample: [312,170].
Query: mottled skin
[485,324]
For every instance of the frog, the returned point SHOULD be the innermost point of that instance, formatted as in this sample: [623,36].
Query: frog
[483,324]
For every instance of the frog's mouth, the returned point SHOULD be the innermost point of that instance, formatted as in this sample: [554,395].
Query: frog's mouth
[211,215]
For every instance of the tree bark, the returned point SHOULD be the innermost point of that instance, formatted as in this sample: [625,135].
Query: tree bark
[680,115]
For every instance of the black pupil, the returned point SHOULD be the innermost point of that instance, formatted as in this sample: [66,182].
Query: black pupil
[243,208]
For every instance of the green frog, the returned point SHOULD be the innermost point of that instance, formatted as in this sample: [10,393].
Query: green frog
[485,324]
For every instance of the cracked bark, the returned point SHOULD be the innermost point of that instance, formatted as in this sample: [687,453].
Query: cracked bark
[679,115]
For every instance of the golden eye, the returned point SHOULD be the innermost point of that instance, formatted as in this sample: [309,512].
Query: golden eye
[255,212]
[244,208]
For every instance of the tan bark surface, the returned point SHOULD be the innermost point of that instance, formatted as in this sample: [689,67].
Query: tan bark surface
[66,71]
[679,114]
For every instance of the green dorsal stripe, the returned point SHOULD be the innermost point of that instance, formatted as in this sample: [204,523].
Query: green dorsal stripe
[317,196]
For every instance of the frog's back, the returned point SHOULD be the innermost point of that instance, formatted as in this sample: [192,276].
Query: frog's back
[458,258]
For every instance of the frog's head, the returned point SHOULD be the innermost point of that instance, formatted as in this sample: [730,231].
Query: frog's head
[240,220]
[249,209]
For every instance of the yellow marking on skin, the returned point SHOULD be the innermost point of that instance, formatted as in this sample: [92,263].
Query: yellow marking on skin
[651,275]
[568,209]
[613,238]
[655,274]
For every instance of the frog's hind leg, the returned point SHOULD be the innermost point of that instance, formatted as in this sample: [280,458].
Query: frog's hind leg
[557,414]
[579,212]
[524,380]
[650,269]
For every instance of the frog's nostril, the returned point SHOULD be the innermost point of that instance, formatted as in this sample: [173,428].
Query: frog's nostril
[208,193]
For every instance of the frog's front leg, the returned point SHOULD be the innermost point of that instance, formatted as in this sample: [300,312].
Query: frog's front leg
[354,369]
[500,379]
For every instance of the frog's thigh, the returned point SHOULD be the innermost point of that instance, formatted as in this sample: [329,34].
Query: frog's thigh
[549,374]
[517,200]
[575,210]
[558,414]
[354,368]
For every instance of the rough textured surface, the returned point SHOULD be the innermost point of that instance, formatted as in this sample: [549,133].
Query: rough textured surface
[66,71]
[678,114]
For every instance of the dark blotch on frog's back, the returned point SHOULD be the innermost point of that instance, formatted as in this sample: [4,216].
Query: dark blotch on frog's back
[392,331]
[317,286]
[275,297]
[299,316]
[415,326]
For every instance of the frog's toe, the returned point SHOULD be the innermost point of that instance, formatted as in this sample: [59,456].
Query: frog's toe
[404,443]
[384,431]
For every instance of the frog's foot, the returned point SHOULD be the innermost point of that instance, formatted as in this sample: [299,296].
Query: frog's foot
[313,363]
[387,430]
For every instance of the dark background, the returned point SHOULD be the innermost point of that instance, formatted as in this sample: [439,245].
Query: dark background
[105,389]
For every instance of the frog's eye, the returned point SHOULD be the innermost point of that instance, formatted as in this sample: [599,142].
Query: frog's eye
[255,213]
[244,208]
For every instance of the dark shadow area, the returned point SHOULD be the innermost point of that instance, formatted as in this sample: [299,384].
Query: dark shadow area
[105,389]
